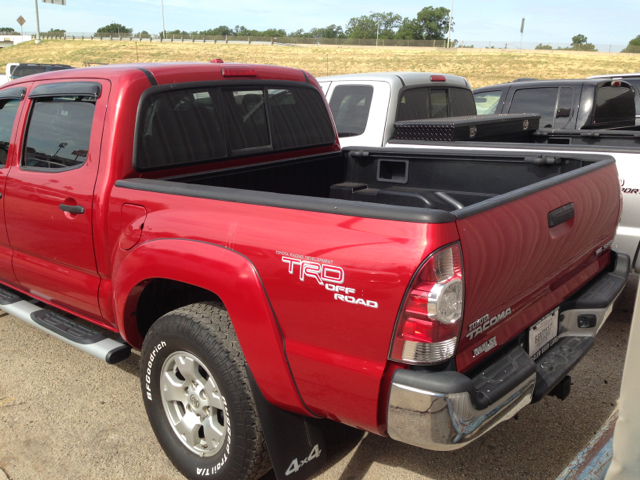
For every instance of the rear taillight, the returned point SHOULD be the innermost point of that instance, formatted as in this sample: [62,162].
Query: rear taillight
[438,78]
[428,326]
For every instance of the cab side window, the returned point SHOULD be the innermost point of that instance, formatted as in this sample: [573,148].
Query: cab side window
[540,101]
[59,132]
[8,111]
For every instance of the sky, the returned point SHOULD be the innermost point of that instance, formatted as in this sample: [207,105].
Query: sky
[498,20]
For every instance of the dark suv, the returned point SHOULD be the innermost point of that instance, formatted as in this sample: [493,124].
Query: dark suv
[25,69]
[564,104]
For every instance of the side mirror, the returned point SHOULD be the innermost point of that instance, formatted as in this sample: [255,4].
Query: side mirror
[481,100]
[563,112]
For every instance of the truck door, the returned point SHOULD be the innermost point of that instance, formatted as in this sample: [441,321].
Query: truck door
[49,194]
[11,102]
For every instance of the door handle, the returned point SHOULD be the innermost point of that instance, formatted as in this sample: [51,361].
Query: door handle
[561,215]
[75,209]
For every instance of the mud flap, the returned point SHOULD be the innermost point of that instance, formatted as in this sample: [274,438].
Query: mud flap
[295,443]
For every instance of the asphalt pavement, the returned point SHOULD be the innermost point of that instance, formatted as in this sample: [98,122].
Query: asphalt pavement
[65,414]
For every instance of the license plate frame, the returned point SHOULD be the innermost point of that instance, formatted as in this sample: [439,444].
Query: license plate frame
[543,334]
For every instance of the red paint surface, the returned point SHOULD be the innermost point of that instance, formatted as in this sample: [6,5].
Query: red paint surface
[512,258]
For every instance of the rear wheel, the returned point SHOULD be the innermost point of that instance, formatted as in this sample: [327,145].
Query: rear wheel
[197,395]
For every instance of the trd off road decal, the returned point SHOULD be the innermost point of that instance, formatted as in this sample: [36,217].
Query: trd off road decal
[327,275]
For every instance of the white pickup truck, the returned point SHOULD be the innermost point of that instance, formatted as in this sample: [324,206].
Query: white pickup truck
[367,106]
[7,76]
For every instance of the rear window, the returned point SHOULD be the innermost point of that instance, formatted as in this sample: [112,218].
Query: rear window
[487,102]
[24,70]
[350,106]
[462,102]
[434,102]
[186,127]
[298,118]
[614,105]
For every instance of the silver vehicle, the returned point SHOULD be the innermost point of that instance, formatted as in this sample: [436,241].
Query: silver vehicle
[366,105]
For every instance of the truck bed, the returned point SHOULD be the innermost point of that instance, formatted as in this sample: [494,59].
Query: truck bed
[440,180]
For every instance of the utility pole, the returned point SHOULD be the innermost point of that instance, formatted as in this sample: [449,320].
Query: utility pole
[450,19]
[37,23]
[377,26]
[164,32]
[521,33]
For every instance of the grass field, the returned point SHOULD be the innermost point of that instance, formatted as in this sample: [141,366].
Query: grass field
[479,67]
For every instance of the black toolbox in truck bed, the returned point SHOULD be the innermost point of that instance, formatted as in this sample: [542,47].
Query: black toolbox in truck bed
[500,127]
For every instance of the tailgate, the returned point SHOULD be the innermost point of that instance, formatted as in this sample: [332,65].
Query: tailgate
[524,253]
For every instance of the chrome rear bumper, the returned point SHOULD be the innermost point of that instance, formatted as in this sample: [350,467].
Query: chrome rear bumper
[446,410]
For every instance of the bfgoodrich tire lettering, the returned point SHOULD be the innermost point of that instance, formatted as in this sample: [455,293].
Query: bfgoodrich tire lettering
[197,395]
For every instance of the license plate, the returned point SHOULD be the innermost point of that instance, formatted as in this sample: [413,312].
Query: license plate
[543,334]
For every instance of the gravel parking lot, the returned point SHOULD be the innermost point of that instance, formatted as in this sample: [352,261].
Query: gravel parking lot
[64,414]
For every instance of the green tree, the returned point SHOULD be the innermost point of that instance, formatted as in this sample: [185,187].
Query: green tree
[434,23]
[332,31]
[579,42]
[361,27]
[221,30]
[7,31]
[634,46]
[543,47]
[115,28]
[271,32]
[240,30]
[410,29]
[578,39]
[383,25]
[56,32]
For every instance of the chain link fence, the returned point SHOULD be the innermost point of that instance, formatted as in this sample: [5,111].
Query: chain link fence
[478,44]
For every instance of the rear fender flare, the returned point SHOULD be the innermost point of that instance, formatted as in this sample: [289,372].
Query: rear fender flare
[233,278]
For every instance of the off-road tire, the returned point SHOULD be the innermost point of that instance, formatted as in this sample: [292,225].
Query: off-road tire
[204,330]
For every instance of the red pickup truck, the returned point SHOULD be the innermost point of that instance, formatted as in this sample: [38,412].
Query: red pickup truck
[206,215]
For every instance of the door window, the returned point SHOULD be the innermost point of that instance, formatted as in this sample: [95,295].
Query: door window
[539,101]
[487,102]
[350,106]
[564,112]
[58,133]
[8,111]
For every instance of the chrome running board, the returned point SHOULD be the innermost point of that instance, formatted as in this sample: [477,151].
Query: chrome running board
[63,328]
